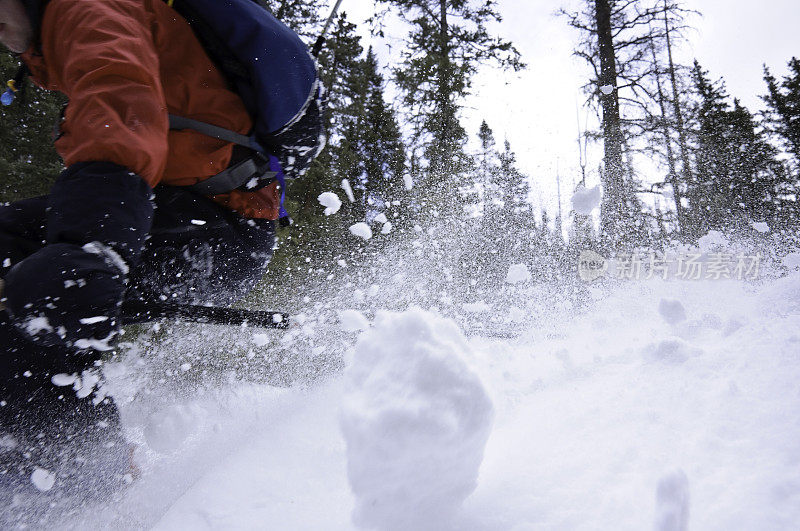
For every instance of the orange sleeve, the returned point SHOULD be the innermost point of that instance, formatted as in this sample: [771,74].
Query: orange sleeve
[106,63]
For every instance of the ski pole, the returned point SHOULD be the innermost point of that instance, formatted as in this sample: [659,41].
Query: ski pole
[134,312]
[321,39]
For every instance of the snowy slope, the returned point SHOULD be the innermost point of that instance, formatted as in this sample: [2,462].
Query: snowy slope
[611,418]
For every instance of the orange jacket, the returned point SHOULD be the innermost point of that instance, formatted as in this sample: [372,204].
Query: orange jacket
[125,65]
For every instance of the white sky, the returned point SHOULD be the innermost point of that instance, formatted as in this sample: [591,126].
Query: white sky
[536,109]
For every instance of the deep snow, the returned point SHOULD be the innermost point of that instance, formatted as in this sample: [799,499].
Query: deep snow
[655,404]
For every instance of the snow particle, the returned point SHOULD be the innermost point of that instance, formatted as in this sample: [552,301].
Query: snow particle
[361,230]
[261,340]
[94,320]
[330,201]
[62,380]
[198,222]
[352,321]
[348,190]
[43,479]
[585,201]
[517,274]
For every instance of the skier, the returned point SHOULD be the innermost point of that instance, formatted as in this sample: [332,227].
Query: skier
[129,217]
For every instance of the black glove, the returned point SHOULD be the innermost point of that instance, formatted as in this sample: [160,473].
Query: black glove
[69,292]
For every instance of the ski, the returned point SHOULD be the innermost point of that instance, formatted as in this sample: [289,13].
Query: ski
[135,312]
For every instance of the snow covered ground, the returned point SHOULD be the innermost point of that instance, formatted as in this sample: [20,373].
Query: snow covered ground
[657,405]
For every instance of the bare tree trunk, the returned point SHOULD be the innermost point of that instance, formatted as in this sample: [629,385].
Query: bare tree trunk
[686,170]
[613,208]
[672,178]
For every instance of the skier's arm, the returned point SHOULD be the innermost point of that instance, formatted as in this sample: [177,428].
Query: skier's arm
[114,142]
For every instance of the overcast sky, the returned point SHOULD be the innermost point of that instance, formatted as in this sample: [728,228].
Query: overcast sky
[536,109]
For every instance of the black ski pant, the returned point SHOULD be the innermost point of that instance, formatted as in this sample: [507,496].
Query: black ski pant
[197,252]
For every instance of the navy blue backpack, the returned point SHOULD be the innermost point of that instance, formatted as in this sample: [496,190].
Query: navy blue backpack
[276,76]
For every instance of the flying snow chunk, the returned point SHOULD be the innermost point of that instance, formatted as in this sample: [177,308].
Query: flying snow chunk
[62,380]
[584,201]
[361,230]
[381,218]
[261,340]
[415,419]
[760,227]
[348,190]
[43,479]
[607,89]
[671,311]
[94,320]
[408,182]
[792,260]
[198,222]
[352,321]
[387,228]
[517,274]
[330,201]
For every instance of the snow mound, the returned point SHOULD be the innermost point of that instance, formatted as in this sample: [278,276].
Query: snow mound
[330,201]
[672,502]
[415,419]
[671,311]
[166,430]
[518,273]
[713,240]
[792,260]
[585,200]
[671,350]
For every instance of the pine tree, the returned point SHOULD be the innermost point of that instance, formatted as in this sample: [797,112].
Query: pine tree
[382,146]
[616,35]
[449,40]
[783,104]
[487,181]
[738,177]
[300,15]
[28,161]
[315,235]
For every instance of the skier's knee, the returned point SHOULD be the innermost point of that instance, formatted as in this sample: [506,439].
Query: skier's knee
[67,295]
